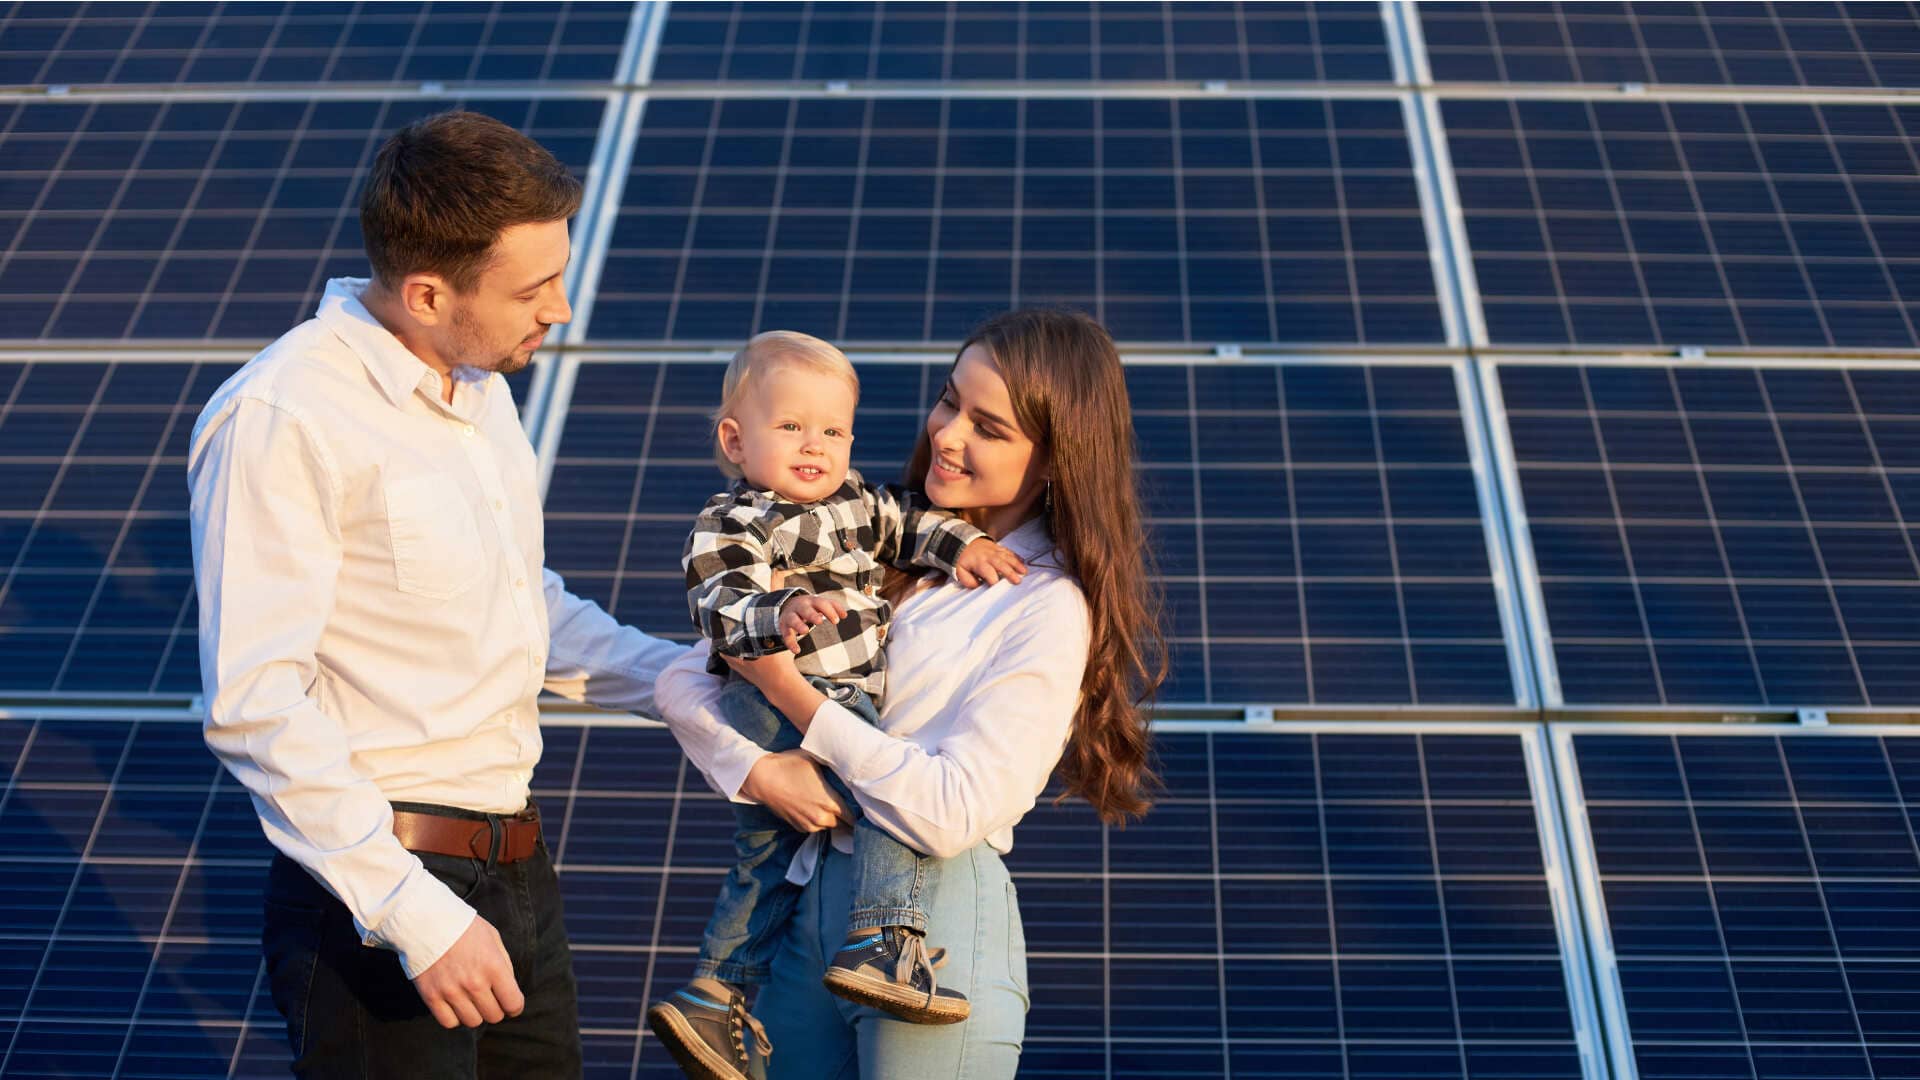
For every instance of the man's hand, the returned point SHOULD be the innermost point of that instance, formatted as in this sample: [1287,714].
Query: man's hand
[984,562]
[789,784]
[472,982]
[801,614]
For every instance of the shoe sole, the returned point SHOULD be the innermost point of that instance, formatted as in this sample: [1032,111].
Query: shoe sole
[894,1000]
[693,1055]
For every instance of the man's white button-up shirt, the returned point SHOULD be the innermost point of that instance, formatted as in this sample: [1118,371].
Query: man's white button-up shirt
[362,550]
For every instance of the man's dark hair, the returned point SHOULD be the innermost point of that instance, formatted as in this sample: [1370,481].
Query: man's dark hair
[443,188]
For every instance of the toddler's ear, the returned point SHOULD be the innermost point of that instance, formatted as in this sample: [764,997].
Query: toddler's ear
[731,442]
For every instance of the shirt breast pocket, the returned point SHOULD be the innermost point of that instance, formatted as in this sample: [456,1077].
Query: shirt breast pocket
[436,549]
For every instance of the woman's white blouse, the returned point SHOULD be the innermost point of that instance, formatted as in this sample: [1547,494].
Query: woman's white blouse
[982,687]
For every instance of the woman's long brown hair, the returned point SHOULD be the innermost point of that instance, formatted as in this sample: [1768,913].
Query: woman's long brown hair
[1070,397]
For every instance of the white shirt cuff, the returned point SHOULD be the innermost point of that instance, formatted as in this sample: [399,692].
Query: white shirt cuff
[729,772]
[841,740]
[424,924]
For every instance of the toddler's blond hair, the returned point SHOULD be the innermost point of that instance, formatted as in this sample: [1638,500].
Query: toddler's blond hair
[761,354]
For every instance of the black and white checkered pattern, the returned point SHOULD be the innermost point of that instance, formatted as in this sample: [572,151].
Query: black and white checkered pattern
[836,548]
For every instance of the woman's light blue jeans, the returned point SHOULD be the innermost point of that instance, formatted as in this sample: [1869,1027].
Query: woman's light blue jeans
[972,913]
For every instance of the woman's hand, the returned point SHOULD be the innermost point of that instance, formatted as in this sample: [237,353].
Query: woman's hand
[786,689]
[791,785]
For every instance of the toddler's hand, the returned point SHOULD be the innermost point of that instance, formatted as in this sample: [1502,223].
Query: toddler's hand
[801,614]
[984,562]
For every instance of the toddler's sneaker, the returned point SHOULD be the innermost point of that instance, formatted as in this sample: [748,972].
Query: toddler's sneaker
[891,970]
[707,1037]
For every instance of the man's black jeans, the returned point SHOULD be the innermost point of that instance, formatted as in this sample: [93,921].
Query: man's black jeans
[352,1012]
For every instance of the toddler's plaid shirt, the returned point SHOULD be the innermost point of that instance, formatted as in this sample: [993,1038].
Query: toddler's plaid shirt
[837,548]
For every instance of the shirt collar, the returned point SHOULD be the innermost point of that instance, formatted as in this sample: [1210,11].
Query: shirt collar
[395,369]
[1030,541]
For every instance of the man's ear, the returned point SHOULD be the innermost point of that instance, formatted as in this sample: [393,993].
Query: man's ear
[731,442]
[427,298]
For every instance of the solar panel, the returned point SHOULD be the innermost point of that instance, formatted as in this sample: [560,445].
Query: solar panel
[1691,223]
[1724,535]
[907,220]
[1761,900]
[170,44]
[96,562]
[1042,42]
[1367,905]
[197,219]
[1705,44]
[1317,527]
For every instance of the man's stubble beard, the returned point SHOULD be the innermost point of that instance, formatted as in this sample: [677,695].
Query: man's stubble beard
[470,350]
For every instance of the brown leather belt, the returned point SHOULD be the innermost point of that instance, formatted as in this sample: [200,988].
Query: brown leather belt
[517,835]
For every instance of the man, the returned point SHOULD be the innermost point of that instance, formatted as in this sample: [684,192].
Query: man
[376,623]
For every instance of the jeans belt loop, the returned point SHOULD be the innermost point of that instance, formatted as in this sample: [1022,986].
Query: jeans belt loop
[499,843]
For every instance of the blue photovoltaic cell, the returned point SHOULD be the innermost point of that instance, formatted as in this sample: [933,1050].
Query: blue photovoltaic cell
[1781,44]
[1691,223]
[96,563]
[175,44]
[1763,899]
[1370,906]
[1724,536]
[203,219]
[1317,528]
[1005,42]
[908,220]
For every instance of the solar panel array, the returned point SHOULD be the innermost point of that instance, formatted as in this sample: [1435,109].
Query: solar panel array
[1765,44]
[1371,905]
[1387,492]
[195,218]
[1723,536]
[885,220]
[1317,527]
[1760,896]
[268,43]
[1621,223]
[1019,42]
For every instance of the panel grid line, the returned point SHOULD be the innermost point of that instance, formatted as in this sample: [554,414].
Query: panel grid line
[173,905]
[152,465]
[1713,899]
[1820,889]
[1819,557]
[1439,885]
[1633,571]
[1720,542]
[66,904]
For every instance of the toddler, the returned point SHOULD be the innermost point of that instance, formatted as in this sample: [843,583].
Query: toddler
[791,556]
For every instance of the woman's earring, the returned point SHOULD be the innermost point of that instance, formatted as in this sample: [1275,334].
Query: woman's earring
[1047,497]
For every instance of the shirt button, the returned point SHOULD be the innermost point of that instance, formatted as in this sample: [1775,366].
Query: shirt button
[880,634]
[467,431]
[519,583]
[499,504]
[871,590]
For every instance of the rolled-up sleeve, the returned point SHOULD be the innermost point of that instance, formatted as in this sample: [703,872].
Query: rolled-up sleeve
[988,771]
[593,657]
[267,552]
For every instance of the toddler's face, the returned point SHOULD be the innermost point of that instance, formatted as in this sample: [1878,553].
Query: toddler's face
[793,434]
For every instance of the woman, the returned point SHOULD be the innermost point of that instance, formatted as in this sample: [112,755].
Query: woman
[990,691]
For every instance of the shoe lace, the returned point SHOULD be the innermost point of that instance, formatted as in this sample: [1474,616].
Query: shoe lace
[739,1022]
[914,958]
